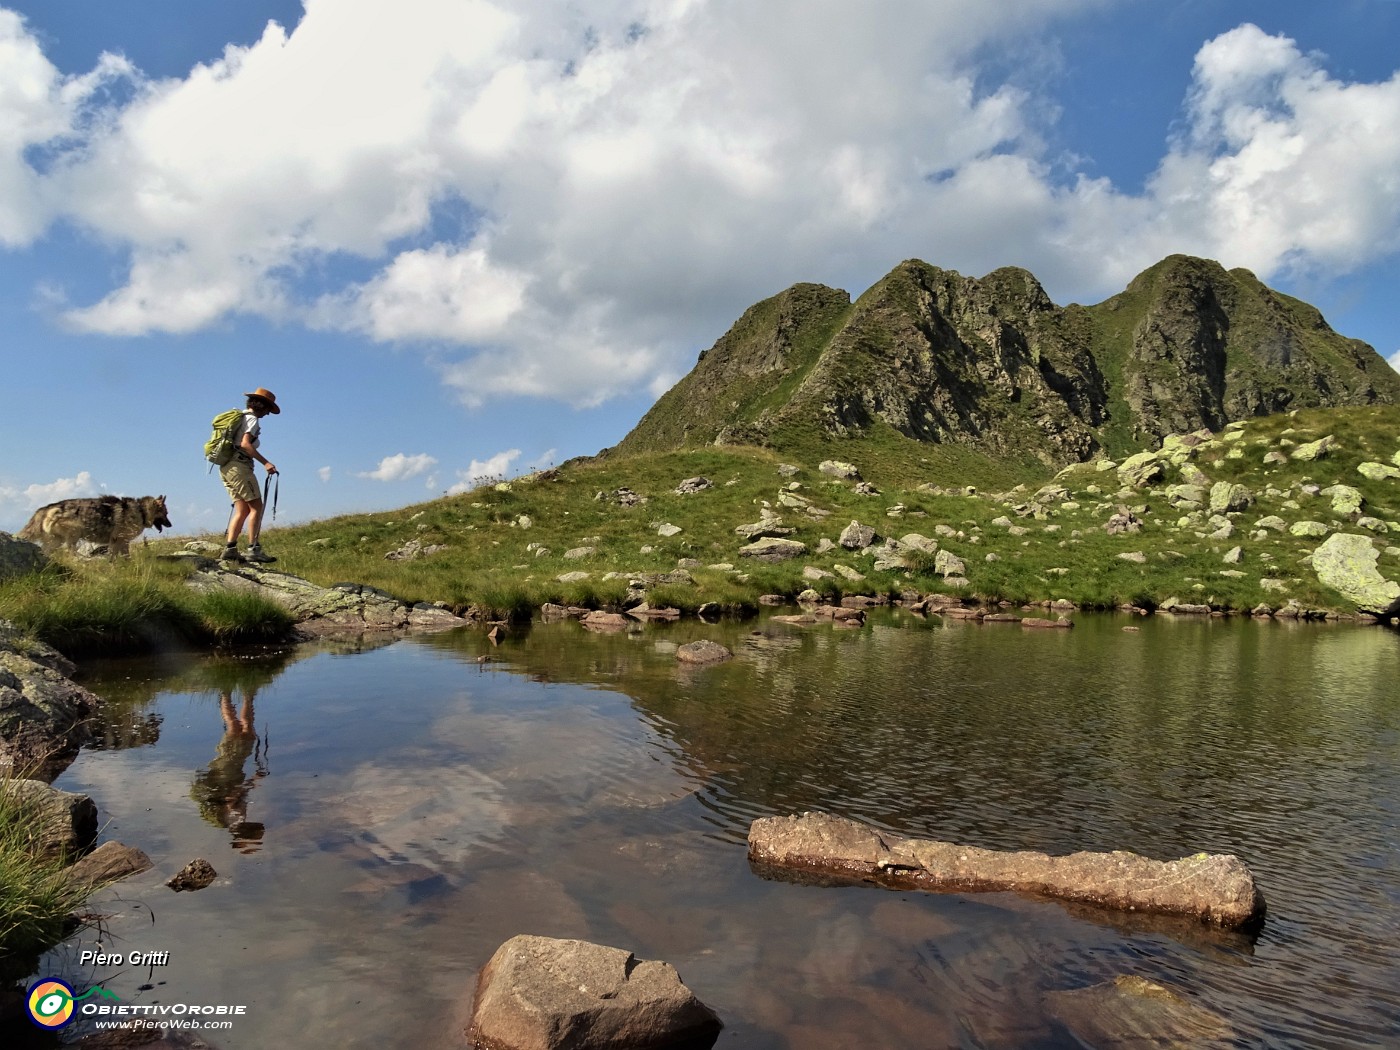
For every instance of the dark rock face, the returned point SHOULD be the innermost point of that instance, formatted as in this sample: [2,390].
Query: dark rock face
[1216,889]
[993,364]
[195,875]
[539,993]
[42,714]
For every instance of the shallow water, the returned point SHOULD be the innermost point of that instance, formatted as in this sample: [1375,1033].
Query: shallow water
[396,814]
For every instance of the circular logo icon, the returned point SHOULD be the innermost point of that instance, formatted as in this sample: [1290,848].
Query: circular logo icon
[50,1003]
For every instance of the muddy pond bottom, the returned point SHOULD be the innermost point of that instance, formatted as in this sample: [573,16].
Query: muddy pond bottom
[382,819]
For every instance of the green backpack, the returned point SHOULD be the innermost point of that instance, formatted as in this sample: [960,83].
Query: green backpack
[221,446]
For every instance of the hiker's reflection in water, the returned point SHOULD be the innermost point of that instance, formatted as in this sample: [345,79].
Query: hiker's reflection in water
[222,789]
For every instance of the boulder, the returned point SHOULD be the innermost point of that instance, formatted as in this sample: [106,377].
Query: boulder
[413,550]
[667,530]
[692,485]
[1314,529]
[1213,888]
[768,528]
[541,993]
[61,824]
[108,863]
[856,537]
[703,651]
[836,469]
[1346,500]
[1226,497]
[915,541]
[1141,470]
[1186,497]
[1313,450]
[1378,471]
[773,549]
[604,622]
[1347,563]
[574,553]
[19,557]
[946,563]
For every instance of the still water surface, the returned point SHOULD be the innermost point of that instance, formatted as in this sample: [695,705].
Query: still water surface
[382,820]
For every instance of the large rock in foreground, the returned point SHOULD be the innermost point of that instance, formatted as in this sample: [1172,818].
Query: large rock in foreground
[1216,889]
[539,993]
[1347,563]
[19,557]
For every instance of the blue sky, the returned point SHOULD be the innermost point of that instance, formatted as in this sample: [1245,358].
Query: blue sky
[463,237]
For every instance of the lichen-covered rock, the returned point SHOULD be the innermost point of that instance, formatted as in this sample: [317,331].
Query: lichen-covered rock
[1141,470]
[837,469]
[1217,889]
[692,485]
[541,993]
[1378,471]
[1313,529]
[1313,450]
[1187,497]
[946,563]
[1347,563]
[1346,500]
[1226,497]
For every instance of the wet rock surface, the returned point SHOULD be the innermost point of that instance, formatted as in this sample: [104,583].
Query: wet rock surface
[1216,889]
[195,875]
[541,993]
[1133,1013]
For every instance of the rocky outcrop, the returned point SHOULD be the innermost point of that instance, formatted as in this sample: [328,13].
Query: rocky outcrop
[19,557]
[345,606]
[992,363]
[1347,563]
[1216,889]
[773,550]
[43,715]
[540,993]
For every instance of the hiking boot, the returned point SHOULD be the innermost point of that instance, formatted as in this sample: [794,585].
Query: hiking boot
[231,553]
[255,553]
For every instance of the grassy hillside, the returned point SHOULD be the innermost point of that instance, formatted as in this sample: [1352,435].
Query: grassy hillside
[503,547]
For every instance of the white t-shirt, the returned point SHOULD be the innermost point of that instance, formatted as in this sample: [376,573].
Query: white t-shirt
[251,425]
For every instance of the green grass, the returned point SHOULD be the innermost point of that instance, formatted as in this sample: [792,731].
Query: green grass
[134,604]
[36,898]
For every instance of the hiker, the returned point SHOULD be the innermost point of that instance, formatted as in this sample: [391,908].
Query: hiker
[242,483]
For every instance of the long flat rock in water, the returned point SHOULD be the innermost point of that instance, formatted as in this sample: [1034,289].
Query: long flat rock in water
[1217,889]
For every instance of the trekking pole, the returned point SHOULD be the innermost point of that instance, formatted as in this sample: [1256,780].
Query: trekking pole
[276,490]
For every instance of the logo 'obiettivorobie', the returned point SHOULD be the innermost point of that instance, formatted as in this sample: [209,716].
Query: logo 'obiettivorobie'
[51,1000]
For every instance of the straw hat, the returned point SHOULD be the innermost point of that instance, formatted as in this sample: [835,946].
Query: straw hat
[267,395]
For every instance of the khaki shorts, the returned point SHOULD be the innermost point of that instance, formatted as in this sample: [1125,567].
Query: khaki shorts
[240,480]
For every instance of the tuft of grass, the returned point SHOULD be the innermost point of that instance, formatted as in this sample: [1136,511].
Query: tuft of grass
[36,896]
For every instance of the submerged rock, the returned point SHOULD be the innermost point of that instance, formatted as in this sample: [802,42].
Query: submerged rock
[1133,1012]
[541,993]
[1214,888]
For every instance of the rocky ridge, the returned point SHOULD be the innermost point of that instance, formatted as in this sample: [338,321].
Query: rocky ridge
[992,363]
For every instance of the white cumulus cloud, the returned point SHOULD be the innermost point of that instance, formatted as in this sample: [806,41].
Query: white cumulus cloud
[1394,360]
[36,495]
[567,202]
[324,473]
[400,467]
[482,471]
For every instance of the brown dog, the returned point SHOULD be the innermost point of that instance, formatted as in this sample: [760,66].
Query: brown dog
[106,521]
